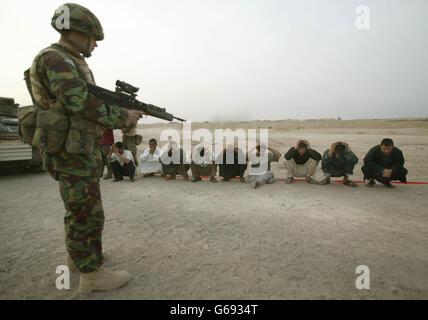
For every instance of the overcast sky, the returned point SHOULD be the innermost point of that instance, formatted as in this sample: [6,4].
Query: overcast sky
[211,60]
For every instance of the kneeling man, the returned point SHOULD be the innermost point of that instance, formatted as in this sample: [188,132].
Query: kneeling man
[122,163]
[302,162]
[384,163]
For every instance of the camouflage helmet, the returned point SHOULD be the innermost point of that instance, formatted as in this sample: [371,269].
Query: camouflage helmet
[81,19]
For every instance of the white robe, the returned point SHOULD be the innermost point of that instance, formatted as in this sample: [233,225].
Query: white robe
[149,163]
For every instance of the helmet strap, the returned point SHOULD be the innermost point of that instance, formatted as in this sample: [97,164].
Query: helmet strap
[85,50]
[87,53]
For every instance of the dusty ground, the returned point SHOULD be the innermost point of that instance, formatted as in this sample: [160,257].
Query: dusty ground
[226,241]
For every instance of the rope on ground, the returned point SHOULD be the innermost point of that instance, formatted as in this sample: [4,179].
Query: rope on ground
[336,181]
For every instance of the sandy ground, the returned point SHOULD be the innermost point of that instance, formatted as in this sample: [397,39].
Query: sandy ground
[226,241]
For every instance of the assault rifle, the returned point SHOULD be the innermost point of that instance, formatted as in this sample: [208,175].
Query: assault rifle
[125,97]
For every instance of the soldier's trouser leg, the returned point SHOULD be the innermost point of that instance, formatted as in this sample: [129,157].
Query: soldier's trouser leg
[105,149]
[134,154]
[129,144]
[84,220]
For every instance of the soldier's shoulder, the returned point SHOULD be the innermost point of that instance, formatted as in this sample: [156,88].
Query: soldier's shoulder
[50,57]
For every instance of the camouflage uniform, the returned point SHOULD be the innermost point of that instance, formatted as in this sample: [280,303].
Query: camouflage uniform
[129,142]
[105,150]
[58,76]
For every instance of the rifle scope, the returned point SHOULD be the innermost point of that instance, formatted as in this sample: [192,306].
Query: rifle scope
[126,87]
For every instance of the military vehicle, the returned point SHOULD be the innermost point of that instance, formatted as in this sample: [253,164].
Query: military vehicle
[13,152]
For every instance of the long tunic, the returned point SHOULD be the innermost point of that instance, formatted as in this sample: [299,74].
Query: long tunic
[149,162]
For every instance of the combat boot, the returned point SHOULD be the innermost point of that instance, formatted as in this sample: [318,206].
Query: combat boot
[102,280]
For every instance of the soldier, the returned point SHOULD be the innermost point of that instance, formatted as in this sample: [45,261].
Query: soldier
[106,145]
[130,141]
[58,79]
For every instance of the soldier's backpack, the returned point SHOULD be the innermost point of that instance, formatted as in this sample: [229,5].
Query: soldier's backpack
[44,129]
[27,115]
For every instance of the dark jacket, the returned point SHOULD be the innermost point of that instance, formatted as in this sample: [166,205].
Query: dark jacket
[294,154]
[378,162]
[337,166]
